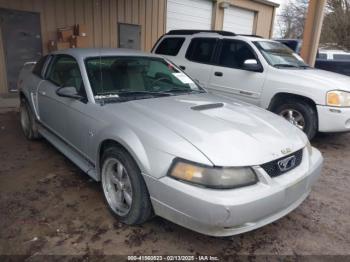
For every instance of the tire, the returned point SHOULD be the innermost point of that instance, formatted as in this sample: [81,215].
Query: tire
[303,108]
[118,189]
[28,122]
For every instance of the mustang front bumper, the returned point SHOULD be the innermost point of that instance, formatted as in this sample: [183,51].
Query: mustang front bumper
[234,211]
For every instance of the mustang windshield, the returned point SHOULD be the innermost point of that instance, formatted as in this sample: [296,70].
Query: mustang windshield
[279,55]
[131,77]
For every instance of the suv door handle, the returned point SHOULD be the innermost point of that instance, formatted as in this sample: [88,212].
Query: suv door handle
[182,67]
[218,74]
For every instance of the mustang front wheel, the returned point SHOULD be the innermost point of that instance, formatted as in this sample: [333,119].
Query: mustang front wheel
[124,188]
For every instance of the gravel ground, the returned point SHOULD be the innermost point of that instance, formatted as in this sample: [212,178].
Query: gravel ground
[48,206]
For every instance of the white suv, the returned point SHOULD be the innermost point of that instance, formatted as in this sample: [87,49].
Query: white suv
[262,72]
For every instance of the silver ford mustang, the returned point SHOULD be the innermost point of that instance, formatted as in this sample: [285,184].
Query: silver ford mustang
[160,144]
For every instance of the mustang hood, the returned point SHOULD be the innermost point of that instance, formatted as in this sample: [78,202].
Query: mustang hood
[227,132]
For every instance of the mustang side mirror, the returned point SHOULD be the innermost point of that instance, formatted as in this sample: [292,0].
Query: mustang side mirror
[68,91]
[252,65]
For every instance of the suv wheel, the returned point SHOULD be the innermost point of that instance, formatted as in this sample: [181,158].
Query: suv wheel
[124,189]
[28,122]
[301,114]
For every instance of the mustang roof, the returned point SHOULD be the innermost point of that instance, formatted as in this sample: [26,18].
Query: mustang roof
[93,52]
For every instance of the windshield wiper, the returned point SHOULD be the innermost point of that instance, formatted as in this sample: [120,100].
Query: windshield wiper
[135,92]
[286,65]
[182,90]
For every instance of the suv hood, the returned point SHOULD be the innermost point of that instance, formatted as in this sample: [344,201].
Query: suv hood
[227,132]
[318,77]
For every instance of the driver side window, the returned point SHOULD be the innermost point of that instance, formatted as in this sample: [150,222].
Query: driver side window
[65,72]
[234,53]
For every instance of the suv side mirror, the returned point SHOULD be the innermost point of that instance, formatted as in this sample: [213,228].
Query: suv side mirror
[68,91]
[252,65]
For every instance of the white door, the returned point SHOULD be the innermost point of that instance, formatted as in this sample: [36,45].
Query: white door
[229,77]
[238,20]
[189,14]
[199,59]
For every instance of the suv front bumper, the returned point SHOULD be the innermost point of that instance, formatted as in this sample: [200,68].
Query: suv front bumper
[230,212]
[333,119]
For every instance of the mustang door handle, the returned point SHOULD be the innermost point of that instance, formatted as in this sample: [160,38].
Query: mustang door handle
[182,67]
[218,73]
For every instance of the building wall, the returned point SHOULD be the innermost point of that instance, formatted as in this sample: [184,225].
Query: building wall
[100,16]
[263,20]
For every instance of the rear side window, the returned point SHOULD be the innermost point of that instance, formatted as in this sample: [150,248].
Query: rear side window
[38,68]
[170,46]
[201,50]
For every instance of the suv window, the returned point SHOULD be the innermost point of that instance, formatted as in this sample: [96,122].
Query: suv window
[38,68]
[322,56]
[341,56]
[170,46]
[233,54]
[65,72]
[201,50]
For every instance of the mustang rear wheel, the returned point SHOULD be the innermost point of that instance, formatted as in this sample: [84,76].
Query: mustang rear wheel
[28,123]
[124,189]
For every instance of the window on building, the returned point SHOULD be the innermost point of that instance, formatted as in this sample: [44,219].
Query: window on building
[201,50]
[170,46]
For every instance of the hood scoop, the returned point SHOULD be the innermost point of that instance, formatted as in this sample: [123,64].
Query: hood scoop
[207,106]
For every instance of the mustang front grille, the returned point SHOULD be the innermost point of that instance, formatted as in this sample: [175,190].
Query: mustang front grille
[284,164]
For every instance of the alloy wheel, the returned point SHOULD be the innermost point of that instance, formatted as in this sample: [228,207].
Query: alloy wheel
[294,117]
[117,186]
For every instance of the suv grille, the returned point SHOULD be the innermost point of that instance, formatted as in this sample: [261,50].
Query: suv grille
[279,167]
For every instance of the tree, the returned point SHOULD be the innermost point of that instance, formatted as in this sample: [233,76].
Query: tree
[291,20]
[336,25]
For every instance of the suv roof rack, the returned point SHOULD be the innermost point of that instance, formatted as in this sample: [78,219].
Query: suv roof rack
[191,32]
[258,36]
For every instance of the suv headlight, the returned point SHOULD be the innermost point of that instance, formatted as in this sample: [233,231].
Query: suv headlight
[213,177]
[338,98]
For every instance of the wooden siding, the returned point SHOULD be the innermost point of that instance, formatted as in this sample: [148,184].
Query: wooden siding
[100,16]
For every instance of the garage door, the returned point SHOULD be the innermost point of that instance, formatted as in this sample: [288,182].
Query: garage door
[238,20]
[189,14]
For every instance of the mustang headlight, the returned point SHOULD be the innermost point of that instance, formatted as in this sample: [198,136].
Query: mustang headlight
[213,177]
[338,98]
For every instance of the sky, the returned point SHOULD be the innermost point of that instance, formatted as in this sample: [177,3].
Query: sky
[282,3]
